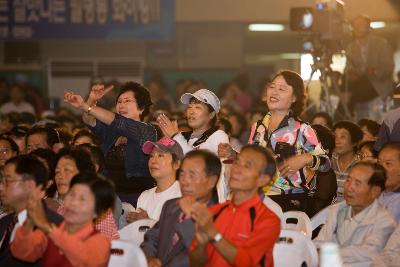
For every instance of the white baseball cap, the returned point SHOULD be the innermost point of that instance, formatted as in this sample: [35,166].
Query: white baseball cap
[205,96]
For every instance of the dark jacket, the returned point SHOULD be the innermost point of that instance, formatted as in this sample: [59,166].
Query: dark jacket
[137,133]
[158,240]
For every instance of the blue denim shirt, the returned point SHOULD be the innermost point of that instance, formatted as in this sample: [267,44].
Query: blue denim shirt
[137,133]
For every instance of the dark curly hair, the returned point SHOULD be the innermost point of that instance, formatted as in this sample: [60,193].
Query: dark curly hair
[141,94]
[296,82]
[80,156]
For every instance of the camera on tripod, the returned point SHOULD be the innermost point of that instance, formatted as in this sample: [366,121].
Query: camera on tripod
[325,23]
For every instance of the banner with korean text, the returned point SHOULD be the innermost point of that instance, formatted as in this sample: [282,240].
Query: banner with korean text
[87,19]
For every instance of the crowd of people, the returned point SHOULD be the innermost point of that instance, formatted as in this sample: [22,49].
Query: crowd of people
[214,172]
[64,179]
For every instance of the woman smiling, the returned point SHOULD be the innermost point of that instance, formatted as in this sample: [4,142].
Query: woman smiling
[75,242]
[123,133]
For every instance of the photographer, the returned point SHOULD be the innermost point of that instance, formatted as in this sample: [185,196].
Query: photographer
[369,70]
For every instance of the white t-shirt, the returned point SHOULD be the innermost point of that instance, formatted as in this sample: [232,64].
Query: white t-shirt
[211,144]
[153,202]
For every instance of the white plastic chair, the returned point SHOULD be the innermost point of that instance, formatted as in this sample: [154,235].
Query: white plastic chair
[135,231]
[126,207]
[273,206]
[319,218]
[125,254]
[297,220]
[293,249]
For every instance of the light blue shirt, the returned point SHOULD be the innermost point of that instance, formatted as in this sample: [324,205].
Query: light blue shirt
[391,201]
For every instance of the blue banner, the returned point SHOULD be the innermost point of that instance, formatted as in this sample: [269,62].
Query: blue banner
[87,19]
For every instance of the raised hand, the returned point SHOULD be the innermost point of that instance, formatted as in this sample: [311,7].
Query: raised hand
[225,151]
[97,92]
[73,99]
[35,208]
[168,127]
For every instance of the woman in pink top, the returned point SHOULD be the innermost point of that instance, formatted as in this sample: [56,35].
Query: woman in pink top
[75,242]
[71,161]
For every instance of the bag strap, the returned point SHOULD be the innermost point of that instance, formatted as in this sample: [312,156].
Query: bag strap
[202,138]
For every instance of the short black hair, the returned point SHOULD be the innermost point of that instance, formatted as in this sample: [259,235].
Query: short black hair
[392,145]
[325,116]
[102,189]
[52,136]
[354,130]
[14,147]
[18,131]
[371,125]
[378,177]
[369,145]
[142,96]
[269,160]
[81,157]
[326,137]
[49,157]
[30,167]
[212,163]
[96,155]
[87,133]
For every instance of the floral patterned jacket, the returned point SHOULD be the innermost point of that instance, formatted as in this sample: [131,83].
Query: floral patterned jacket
[300,138]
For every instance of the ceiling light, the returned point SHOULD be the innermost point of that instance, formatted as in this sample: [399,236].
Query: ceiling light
[378,24]
[266,27]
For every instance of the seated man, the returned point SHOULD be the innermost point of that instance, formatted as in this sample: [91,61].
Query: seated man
[22,174]
[165,158]
[242,231]
[167,243]
[360,225]
[389,158]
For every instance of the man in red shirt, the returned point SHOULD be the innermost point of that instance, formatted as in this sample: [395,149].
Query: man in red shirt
[243,231]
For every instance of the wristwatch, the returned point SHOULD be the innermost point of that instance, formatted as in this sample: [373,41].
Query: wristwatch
[216,238]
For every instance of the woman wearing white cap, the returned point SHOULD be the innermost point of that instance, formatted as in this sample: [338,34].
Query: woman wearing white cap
[201,114]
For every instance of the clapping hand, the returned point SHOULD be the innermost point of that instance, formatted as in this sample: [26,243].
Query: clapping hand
[203,218]
[35,208]
[225,150]
[168,127]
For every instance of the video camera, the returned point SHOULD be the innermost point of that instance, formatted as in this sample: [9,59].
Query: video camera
[325,23]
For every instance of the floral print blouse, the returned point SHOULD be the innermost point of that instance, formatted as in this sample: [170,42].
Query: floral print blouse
[300,138]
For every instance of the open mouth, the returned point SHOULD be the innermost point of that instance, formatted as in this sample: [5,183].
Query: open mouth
[273,99]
